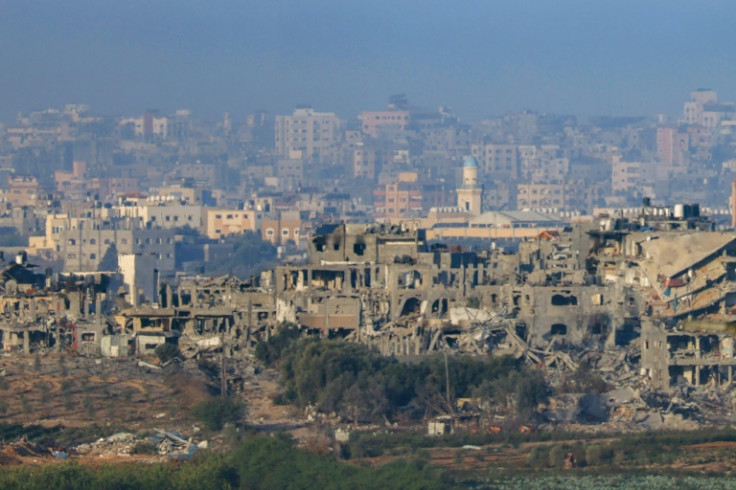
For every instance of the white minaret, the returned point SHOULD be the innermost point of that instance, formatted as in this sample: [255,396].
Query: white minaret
[470,194]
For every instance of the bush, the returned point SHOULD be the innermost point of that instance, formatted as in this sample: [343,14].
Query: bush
[360,384]
[215,413]
[556,455]
[270,351]
[538,456]
[167,352]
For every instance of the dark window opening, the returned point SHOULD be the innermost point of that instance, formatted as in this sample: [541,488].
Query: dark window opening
[559,329]
[560,300]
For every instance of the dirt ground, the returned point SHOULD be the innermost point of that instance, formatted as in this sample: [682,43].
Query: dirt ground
[76,391]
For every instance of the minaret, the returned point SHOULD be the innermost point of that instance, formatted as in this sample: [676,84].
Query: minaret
[470,194]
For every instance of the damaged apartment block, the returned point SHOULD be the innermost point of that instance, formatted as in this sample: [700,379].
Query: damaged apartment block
[657,289]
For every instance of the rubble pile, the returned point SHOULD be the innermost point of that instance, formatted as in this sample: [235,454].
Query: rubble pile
[162,443]
[165,443]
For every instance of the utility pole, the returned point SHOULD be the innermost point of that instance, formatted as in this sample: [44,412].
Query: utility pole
[447,385]
[223,369]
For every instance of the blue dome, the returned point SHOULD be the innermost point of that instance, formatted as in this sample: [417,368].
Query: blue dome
[470,162]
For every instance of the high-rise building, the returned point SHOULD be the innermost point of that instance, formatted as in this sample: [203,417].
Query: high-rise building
[364,162]
[306,134]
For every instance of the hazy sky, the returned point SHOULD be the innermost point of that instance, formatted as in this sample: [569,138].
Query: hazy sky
[483,58]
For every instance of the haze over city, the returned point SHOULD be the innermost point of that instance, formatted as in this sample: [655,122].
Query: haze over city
[483,58]
[367,245]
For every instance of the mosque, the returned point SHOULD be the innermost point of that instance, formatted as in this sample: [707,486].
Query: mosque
[470,193]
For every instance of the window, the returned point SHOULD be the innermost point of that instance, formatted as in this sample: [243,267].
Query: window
[285,232]
[72,241]
[124,241]
[269,232]
[92,256]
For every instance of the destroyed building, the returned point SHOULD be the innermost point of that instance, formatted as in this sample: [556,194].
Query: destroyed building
[664,283]
[52,312]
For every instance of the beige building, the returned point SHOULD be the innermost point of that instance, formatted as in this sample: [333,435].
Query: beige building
[630,176]
[21,191]
[224,222]
[288,227]
[373,122]
[364,162]
[537,196]
[140,277]
[162,213]
[694,109]
[307,134]
[497,159]
[148,125]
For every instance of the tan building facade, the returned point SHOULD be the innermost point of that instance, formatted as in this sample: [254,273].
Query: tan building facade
[224,222]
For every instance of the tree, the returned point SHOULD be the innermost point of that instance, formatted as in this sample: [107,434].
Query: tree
[167,352]
[217,412]
[250,255]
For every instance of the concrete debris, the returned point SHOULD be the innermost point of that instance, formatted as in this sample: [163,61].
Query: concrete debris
[166,443]
[644,306]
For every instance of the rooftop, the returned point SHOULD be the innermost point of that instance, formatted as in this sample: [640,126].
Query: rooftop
[675,253]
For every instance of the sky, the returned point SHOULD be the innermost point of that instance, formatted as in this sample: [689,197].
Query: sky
[483,58]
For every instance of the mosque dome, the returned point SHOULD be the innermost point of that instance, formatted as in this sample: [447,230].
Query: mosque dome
[470,162]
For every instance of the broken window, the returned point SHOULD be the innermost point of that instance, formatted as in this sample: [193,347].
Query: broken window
[521,330]
[359,248]
[560,300]
[558,329]
[412,305]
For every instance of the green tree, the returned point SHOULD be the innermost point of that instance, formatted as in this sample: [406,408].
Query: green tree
[250,255]
[217,412]
[556,455]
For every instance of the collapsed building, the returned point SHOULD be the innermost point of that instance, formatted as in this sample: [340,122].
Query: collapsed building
[40,310]
[663,284]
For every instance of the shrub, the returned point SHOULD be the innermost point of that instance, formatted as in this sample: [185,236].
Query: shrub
[216,412]
[167,352]
[556,455]
[538,456]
